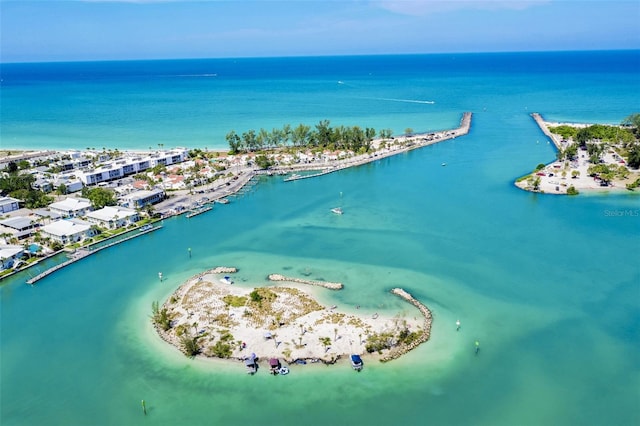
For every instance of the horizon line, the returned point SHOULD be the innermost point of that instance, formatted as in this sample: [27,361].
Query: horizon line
[60,61]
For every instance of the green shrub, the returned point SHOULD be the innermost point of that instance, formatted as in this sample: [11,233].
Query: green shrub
[190,345]
[572,190]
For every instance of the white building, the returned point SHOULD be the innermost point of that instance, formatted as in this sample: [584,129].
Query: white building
[71,207]
[139,199]
[113,217]
[128,166]
[8,204]
[9,254]
[68,231]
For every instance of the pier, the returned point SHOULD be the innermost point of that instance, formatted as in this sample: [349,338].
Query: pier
[81,253]
[543,126]
[197,211]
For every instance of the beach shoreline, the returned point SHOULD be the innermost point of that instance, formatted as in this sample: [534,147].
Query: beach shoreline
[285,323]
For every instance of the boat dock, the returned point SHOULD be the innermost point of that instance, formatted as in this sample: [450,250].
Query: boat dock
[197,211]
[85,252]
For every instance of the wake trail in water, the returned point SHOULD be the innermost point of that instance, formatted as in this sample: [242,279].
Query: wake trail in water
[411,101]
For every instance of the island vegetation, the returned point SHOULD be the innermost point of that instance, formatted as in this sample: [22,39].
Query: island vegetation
[595,156]
[204,317]
[322,136]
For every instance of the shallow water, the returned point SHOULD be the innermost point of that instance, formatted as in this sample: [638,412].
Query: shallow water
[548,285]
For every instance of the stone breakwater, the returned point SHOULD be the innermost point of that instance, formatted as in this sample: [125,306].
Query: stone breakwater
[216,270]
[424,336]
[325,284]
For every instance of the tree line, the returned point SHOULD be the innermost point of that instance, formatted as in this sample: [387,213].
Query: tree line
[626,137]
[322,135]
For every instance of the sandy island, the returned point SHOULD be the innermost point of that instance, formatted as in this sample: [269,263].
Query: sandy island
[209,316]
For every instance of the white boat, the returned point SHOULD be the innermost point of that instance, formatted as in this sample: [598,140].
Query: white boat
[356,362]
[443,164]
[336,210]
[226,280]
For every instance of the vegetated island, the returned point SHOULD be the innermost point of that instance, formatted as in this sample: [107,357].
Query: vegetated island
[589,157]
[208,316]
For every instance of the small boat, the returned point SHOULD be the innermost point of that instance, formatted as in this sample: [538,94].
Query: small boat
[356,362]
[251,364]
[226,280]
[222,201]
[336,210]
[301,361]
[374,316]
[275,366]
[283,371]
[443,164]
[146,227]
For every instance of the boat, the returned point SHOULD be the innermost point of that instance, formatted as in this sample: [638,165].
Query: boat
[251,363]
[301,361]
[223,201]
[336,210]
[226,280]
[283,371]
[275,366]
[443,164]
[146,227]
[356,362]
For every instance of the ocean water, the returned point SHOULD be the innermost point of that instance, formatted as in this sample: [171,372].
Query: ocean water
[550,286]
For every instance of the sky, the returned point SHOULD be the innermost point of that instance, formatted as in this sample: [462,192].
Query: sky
[78,30]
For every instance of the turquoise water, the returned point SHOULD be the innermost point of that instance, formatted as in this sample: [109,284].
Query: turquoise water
[549,285]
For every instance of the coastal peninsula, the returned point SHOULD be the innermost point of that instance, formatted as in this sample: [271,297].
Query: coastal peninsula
[589,157]
[209,316]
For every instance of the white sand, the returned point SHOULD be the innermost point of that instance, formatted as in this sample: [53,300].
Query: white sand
[198,306]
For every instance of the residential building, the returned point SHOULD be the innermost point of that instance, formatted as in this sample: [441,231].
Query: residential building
[113,217]
[139,199]
[71,207]
[127,166]
[9,255]
[8,204]
[18,227]
[68,231]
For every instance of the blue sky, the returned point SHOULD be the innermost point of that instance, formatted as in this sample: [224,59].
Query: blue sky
[144,29]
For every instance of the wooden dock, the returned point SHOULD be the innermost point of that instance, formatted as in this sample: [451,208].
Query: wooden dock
[199,210]
[85,252]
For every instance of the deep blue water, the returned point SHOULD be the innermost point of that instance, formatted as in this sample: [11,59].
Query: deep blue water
[549,285]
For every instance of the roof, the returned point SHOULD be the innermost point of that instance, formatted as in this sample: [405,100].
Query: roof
[66,227]
[18,222]
[7,251]
[72,204]
[8,200]
[110,212]
[46,213]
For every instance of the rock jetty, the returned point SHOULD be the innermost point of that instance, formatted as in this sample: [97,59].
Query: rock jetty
[426,331]
[325,284]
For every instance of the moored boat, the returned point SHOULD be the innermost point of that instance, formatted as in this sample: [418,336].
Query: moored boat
[356,362]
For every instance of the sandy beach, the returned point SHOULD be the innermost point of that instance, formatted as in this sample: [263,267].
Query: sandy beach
[283,321]
[556,177]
